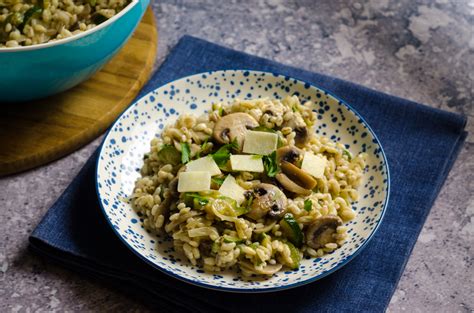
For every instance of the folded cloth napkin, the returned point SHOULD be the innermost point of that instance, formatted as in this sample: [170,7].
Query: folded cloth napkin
[421,144]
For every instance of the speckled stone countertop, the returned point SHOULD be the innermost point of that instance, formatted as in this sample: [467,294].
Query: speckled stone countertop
[417,49]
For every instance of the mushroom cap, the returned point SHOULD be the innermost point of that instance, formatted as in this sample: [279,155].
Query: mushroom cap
[298,176]
[233,127]
[268,200]
[301,136]
[322,231]
[289,154]
[300,128]
[291,186]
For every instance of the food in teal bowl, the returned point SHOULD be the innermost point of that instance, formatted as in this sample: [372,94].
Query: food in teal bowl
[49,46]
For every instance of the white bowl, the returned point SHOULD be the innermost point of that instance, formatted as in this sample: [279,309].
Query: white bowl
[121,157]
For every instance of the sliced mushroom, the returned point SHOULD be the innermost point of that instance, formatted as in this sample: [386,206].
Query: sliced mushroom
[289,154]
[205,247]
[267,270]
[301,130]
[289,185]
[233,127]
[322,231]
[173,187]
[268,200]
[298,176]
[301,136]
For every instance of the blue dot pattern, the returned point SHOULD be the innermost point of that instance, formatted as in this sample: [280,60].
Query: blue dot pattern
[121,158]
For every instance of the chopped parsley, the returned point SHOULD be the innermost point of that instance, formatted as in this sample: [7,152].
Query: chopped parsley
[185,152]
[222,155]
[270,164]
[197,197]
[218,180]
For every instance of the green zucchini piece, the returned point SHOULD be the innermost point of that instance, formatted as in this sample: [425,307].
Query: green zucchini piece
[237,210]
[292,230]
[264,239]
[242,210]
[347,153]
[294,255]
[169,155]
[215,247]
[33,12]
[229,239]
[98,18]
[254,245]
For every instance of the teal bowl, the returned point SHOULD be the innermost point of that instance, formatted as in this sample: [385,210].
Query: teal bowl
[37,71]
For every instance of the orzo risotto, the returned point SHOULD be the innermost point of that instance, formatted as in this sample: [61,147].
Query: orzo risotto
[30,22]
[249,186]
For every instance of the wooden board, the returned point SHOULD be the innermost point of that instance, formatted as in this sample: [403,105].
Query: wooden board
[34,133]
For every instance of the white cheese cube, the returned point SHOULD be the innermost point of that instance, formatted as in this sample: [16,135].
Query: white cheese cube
[204,164]
[231,189]
[262,143]
[194,181]
[313,164]
[248,163]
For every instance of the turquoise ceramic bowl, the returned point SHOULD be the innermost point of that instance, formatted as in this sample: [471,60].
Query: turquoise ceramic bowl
[37,71]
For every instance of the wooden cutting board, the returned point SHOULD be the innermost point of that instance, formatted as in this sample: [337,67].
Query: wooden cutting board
[38,132]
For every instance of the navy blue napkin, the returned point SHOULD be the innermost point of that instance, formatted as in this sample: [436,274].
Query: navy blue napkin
[421,144]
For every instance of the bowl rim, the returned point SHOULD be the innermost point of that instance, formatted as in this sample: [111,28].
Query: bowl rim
[49,44]
[249,290]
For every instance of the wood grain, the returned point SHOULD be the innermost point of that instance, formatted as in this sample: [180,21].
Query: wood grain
[38,132]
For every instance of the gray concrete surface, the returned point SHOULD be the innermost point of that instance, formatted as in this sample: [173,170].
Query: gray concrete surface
[421,50]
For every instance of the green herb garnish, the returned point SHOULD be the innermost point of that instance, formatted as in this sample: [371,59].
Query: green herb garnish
[270,164]
[218,180]
[203,148]
[222,155]
[185,152]
[308,205]
[201,200]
